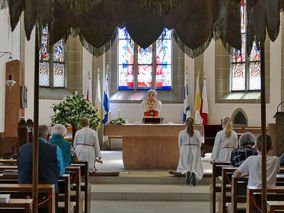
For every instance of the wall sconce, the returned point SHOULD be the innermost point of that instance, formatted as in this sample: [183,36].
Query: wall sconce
[10,82]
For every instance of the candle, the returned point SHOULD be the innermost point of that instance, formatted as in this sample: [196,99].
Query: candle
[118,113]
[76,92]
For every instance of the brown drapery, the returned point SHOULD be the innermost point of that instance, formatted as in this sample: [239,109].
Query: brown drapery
[194,22]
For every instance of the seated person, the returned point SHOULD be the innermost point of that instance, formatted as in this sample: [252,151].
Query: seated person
[246,143]
[51,164]
[151,106]
[57,138]
[252,166]
[86,143]
[189,142]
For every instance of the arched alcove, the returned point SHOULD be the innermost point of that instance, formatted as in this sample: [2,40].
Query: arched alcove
[239,117]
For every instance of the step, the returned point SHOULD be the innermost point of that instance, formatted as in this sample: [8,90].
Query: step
[150,192]
[149,206]
[145,178]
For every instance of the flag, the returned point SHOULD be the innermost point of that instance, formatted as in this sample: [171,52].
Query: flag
[98,102]
[204,104]
[186,108]
[197,117]
[106,105]
[89,90]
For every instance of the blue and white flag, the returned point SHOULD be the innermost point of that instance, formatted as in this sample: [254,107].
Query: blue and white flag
[106,105]
[186,108]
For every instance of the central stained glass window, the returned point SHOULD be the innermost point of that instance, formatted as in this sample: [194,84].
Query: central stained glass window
[136,65]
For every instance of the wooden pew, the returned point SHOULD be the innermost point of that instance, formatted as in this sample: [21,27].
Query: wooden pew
[77,197]
[17,205]
[64,189]
[63,183]
[238,200]
[8,161]
[226,179]
[274,193]
[275,206]
[86,187]
[216,171]
[22,190]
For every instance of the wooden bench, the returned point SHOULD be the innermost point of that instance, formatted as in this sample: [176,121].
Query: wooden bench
[63,184]
[76,195]
[226,179]
[8,161]
[17,205]
[275,206]
[238,199]
[274,193]
[216,171]
[85,187]
[22,190]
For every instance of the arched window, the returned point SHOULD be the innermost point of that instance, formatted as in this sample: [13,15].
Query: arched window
[51,65]
[136,64]
[245,68]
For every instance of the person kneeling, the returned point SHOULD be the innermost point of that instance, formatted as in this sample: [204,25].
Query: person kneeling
[189,142]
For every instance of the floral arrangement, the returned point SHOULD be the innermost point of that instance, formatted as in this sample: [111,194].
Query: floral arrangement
[71,109]
[118,121]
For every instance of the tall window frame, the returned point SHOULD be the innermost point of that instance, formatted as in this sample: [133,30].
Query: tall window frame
[52,72]
[135,64]
[245,68]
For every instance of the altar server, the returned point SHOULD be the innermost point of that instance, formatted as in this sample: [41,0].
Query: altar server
[226,141]
[86,145]
[189,142]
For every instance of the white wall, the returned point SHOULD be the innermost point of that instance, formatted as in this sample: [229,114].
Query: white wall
[10,42]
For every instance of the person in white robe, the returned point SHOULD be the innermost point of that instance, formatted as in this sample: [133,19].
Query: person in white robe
[189,142]
[152,103]
[225,142]
[86,145]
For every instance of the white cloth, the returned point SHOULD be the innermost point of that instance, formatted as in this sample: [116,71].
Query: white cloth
[190,153]
[252,167]
[157,106]
[87,146]
[223,146]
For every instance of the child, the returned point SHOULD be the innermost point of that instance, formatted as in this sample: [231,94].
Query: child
[225,142]
[189,142]
[252,166]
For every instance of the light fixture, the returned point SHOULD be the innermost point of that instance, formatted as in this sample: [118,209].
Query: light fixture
[10,82]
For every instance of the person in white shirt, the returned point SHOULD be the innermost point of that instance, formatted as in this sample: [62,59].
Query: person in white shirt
[226,141]
[252,166]
[189,142]
[86,145]
[152,103]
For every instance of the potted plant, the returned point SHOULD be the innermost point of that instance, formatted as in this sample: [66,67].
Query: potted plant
[71,109]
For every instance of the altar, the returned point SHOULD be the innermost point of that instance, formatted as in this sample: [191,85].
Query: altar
[148,146]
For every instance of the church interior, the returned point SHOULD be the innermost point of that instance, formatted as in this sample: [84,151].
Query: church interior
[139,161]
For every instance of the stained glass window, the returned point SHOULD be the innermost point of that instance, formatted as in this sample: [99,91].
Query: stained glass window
[245,68]
[125,60]
[164,60]
[136,64]
[51,72]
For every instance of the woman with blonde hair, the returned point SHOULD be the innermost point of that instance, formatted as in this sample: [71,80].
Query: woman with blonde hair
[226,141]
[189,142]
